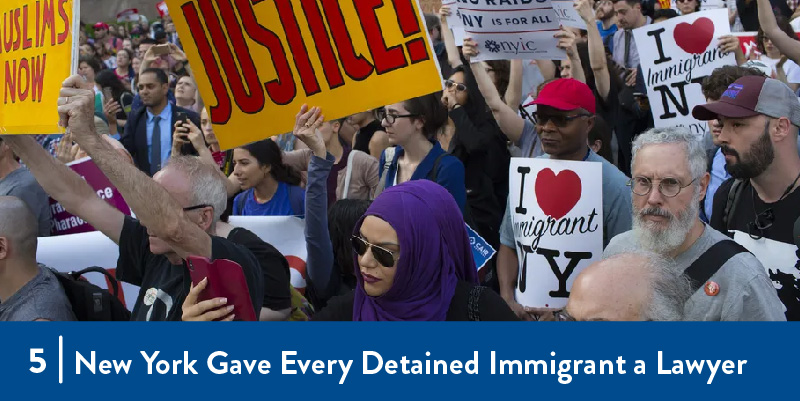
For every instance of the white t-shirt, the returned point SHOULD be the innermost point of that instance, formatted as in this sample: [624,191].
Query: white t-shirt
[790,68]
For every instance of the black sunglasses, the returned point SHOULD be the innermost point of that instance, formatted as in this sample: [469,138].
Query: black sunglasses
[449,84]
[558,120]
[384,256]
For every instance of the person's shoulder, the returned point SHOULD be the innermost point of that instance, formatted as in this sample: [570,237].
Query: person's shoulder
[621,243]
[338,308]
[250,240]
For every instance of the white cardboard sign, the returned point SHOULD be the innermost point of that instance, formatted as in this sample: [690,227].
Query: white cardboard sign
[557,217]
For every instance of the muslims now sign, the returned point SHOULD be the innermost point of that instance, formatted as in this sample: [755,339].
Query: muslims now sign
[257,62]
[556,211]
[676,56]
[37,53]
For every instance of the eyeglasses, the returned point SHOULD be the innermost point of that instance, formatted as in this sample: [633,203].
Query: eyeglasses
[391,118]
[384,256]
[449,84]
[669,187]
[190,208]
[558,120]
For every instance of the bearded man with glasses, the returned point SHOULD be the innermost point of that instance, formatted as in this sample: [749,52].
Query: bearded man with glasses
[669,179]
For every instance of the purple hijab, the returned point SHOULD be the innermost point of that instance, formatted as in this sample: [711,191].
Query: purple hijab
[434,254]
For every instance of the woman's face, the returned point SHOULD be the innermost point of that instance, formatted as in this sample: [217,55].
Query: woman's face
[99,49]
[247,170]
[770,49]
[123,60]
[87,50]
[403,129]
[208,129]
[136,63]
[85,71]
[458,91]
[185,89]
[377,279]
[329,130]
[687,6]
[121,30]
[127,44]
[566,69]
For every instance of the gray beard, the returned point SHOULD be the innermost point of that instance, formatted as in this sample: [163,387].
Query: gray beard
[663,241]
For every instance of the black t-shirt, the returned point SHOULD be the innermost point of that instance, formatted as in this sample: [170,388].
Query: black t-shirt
[274,268]
[163,286]
[365,135]
[776,250]
[490,306]
[748,12]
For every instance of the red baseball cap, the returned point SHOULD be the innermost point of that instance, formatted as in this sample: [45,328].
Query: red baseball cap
[101,25]
[566,94]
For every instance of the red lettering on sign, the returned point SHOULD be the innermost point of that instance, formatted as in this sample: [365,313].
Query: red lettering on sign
[330,65]
[385,59]
[240,84]
[37,77]
[297,47]
[356,66]
[10,85]
[409,25]
[18,40]
[27,42]
[281,90]
[48,20]
[62,12]
[221,112]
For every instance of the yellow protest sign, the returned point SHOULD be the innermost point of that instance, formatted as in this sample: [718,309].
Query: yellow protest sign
[257,62]
[36,55]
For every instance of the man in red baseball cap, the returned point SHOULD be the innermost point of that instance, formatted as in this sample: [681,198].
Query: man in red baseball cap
[110,43]
[758,206]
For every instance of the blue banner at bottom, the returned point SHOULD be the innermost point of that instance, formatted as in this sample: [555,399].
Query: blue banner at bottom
[567,360]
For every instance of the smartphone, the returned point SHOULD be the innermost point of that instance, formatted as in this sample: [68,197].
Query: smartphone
[161,50]
[225,280]
[107,94]
[183,117]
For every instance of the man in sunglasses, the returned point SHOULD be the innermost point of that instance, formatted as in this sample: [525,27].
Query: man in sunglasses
[759,205]
[111,43]
[176,211]
[669,179]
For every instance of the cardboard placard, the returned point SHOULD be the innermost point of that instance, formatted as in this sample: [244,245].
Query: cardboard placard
[37,53]
[676,56]
[557,218]
[256,64]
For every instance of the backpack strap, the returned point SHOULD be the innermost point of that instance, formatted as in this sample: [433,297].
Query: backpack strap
[473,305]
[348,174]
[388,159]
[434,174]
[701,270]
[735,192]
[95,269]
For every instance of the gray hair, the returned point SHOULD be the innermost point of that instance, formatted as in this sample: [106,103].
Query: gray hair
[695,150]
[670,288]
[19,225]
[206,182]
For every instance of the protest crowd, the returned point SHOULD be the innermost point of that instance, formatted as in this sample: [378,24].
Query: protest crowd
[694,223]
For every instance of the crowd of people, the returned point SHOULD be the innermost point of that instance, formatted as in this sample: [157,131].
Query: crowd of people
[694,227]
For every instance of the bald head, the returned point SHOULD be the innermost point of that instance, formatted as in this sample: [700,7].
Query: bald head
[629,287]
[18,229]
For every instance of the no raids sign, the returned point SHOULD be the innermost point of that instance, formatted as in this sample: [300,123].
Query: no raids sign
[256,62]
[676,55]
[36,55]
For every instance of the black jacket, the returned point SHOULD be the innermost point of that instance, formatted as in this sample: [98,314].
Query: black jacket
[135,136]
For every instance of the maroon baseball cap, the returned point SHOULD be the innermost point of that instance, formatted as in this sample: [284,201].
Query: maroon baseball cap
[566,94]
[750,96]
[101,25]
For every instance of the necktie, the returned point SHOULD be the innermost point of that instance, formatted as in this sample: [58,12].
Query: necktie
[155,153]
[627,48]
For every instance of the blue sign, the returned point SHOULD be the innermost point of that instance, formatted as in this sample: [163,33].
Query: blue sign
[482,252]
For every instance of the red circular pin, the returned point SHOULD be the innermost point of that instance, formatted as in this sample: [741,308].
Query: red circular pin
[712,288]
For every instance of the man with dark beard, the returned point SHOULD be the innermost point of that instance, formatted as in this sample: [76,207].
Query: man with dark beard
[760,204]
[669,179]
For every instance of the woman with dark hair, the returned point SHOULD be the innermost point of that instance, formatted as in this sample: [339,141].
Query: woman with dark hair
[414,268]
[270,187]
[124,70]
[412,126]
[108,81]
[783,69]
[687,7]
[88,68]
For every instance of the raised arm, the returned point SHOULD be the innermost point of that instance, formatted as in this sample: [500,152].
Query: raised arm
[566,41]
[453,56]
[154,207]
[514,90]
[67,187]
[507,118]
[597,51]
[788,46]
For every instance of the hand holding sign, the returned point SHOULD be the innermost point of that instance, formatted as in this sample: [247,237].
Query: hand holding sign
[566,41]
[585,10]
[730,44]
[76,106]
[205,311]
[444,12]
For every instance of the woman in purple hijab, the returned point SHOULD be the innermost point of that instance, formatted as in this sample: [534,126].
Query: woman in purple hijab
[414,262]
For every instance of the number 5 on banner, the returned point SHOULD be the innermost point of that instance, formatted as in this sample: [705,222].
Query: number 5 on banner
[39,360]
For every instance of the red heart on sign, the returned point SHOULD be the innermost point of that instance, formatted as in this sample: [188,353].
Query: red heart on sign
[558,193]
[694,38]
